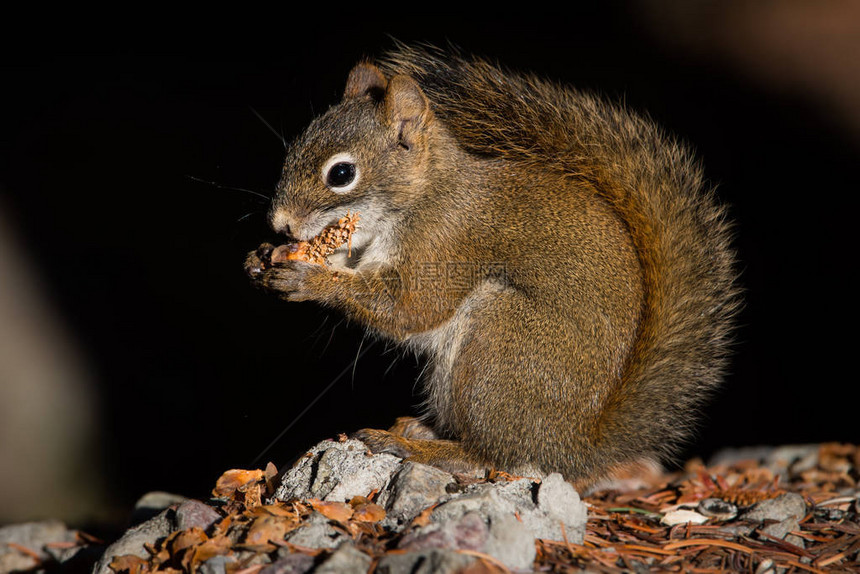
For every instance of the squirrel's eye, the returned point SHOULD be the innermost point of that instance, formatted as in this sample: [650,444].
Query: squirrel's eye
[341,174]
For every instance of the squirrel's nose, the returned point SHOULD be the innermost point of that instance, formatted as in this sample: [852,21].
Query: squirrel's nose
[282,222]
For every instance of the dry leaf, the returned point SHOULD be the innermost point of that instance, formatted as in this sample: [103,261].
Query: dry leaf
[265,529]
[368,512]
[339,511]
[217,546]
[182,539]
[236,480]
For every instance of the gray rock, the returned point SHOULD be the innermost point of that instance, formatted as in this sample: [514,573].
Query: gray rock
[469,532]
[133,540]
[781,530]
[783,506]
[729,456]
[503,520]
[779,459]
[33,536]
[508,539]
[316,533]
[798,457]
[295,563]
[193,513]
[561,505]
[216,565]
[347,559]
[337,471]
[717,508]
[152,503]
[414,488]
[546,507]
[248,558]
[511,542]
[433,561]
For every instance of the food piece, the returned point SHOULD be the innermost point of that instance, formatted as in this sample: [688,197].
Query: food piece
[320,247]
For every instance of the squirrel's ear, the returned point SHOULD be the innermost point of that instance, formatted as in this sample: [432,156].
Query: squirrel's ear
[407,108]
[365,79]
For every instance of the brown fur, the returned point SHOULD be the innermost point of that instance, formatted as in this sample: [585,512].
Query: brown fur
[600,291]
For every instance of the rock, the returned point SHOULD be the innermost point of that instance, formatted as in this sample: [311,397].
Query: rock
[779,459]
[151,504]
[730,456]
[193,513]
[345,560]
[682,516]
[781,531]
[501,520]
[717,508]
[337,471]
[550,509]
[779,508]
[498,518]
[828,514]
[295,563]
[560,503]
[249,558]
[316,533]
[799,457]
[33,536]
[414,488]
[217,565]
[433,561]
[508,540]
[469,532]
[133,540]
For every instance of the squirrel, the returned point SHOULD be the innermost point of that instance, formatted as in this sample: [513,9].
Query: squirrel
[558,259]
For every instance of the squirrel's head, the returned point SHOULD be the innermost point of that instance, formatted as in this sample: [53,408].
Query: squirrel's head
[369,154]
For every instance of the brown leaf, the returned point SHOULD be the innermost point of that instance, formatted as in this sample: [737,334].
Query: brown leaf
[216,546]
[271,476]
[183,539]
[160,555]
[236,480]
[423,519]
[339,511]
[368,512]
[253,496]
[267,528]
[279,509]
[180,546]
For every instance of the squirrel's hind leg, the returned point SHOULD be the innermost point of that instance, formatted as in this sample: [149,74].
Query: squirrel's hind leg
[411,427]
[445,454]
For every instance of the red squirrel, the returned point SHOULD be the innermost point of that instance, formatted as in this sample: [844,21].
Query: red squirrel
[558,259]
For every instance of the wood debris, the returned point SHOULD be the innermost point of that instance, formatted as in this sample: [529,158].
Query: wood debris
[624,531]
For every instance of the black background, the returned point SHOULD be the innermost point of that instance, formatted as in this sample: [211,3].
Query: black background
[109,132]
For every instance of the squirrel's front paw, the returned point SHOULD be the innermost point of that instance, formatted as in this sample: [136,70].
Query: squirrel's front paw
[290,280]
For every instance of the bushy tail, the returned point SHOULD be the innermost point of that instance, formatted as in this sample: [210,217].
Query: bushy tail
[679,229]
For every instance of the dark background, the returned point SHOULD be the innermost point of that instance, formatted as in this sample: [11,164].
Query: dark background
[122,148]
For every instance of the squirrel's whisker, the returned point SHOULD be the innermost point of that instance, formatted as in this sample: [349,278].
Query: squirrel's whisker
[268,125]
